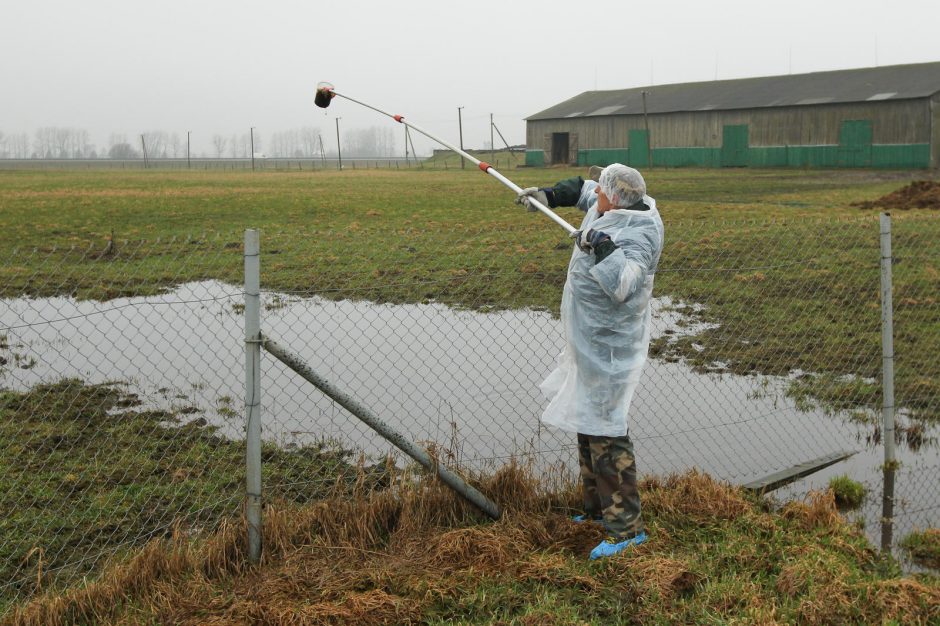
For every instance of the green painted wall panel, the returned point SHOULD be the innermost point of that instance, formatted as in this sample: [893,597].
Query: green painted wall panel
[535,158]
[638,140]
[894,156]
[603,156]
[901,156]
[775,156]
[687,157]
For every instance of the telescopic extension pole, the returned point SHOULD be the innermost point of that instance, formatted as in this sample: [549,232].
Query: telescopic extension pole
[325,93]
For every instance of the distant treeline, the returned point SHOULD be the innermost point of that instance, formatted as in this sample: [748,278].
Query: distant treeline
[54,142]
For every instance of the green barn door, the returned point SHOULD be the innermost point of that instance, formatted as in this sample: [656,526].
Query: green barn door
[855,143]
[734,146]
[639,144]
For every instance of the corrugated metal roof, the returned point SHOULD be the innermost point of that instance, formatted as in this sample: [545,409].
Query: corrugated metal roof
[895,82]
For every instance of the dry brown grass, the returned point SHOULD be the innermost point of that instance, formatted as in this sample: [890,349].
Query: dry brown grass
[906,601]
[817,511]
[399,555]
[695,495]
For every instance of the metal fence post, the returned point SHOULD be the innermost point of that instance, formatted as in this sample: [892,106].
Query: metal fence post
[253,391]
[887,363]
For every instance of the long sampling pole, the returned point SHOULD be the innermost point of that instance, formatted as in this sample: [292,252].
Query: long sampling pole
[326,93]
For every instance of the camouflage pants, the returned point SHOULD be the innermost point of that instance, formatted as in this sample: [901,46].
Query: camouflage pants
[608,476]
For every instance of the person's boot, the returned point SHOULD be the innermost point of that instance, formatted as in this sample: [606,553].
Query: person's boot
[613,545]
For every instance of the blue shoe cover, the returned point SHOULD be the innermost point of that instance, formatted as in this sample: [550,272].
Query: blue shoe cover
[585,518]
[610,547]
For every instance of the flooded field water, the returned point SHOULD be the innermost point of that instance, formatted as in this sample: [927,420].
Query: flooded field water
[466,381]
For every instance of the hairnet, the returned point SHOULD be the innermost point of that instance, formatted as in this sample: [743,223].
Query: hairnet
[622,185]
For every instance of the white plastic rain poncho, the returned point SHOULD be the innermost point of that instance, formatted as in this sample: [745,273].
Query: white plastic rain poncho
[605,313]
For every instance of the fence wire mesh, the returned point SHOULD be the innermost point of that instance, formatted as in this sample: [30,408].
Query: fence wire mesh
[122,371]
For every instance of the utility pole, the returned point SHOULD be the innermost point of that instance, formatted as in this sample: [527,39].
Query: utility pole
[460,124]
[339,149]
[505,143]
[252,132]
[649,140]
[143,144]
[406,144]
[189,164]
[492,144]
[414,152]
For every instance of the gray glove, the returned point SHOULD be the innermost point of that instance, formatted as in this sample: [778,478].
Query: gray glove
[588,240]
[594,241]
[594,173]
[532,192]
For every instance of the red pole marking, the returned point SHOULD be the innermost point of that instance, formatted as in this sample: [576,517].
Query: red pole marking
[484,165]
[398,118]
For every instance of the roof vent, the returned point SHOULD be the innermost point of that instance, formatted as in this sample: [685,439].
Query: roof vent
[608,110]
[816,100]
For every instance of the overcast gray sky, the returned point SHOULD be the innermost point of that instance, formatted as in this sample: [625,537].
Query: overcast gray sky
[214,66]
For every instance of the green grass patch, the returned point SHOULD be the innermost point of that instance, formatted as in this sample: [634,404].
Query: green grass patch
[85,472]
[924,547]
[848,493]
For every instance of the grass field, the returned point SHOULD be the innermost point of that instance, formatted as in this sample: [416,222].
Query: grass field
[786,272]
[786,268]
[69,508]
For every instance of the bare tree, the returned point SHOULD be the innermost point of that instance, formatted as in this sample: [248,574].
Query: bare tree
[82,146]
[175,144]
[384,142]
[123,151]
[218,141]
[115,139]
[19,145]
[156,143]
[4,153]
[309,140]
[233,147]
[369,142]
[119,148]
[285,143]
[44,143]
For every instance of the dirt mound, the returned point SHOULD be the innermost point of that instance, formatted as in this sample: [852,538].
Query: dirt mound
[920,194]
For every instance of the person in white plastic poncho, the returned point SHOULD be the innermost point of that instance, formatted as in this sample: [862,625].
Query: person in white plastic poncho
[605,312]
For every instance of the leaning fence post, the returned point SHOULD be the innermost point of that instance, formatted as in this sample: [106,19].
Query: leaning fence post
[887,364]
[451,479]
[253,392]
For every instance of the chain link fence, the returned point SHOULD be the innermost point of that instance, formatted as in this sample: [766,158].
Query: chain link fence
[122,370]
[505,160]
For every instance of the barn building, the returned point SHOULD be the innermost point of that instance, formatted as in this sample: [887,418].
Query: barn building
[887,117]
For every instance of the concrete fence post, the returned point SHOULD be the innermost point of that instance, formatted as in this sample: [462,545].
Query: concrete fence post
[887,363]
[253,392]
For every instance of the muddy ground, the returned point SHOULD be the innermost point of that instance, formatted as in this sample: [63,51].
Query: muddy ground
[920,194]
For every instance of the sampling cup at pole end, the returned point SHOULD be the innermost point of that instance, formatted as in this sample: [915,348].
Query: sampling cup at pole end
[324,94]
